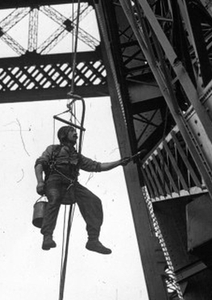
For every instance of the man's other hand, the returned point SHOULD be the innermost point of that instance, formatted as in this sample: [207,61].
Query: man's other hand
[40,188]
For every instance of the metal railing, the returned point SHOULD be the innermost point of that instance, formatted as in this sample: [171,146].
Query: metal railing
[170,170]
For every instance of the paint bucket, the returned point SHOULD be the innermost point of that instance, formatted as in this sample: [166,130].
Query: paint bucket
[38,211]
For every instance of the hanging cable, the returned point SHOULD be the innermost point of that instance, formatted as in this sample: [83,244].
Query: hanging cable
[64,264]
[72,208]
[75,47]
[73,120]
[63,242]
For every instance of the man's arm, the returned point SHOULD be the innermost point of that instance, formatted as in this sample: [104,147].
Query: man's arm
[40,181]
[111,165]
[40,164]
[122,162]
[39,173]
[89,165]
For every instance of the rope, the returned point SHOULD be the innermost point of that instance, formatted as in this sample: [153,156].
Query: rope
[54,130]
[64,262]
[75,43]
[64,256]
[75,47]
[63,242]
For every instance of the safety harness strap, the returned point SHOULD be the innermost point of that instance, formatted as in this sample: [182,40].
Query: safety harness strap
[53,168]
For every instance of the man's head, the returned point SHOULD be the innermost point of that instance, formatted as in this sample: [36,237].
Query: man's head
[67,134]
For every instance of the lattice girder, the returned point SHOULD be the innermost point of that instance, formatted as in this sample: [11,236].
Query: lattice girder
[34,73]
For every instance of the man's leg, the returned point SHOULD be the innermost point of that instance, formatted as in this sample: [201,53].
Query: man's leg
[91,209]
[50,218]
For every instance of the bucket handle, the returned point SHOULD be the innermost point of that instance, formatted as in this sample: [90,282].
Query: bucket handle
[42,198]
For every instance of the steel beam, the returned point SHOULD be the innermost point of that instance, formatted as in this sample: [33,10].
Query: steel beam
[36,3]
[50,77]
[147,241]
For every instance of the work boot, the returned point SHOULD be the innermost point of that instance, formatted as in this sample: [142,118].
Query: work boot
[95,245]
[48,242]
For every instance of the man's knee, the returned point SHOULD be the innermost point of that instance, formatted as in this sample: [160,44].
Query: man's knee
[53,196]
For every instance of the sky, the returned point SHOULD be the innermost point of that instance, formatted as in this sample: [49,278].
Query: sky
[28,272]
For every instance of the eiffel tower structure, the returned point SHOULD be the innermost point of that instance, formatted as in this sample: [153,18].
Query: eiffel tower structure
[36,71]
[154,59]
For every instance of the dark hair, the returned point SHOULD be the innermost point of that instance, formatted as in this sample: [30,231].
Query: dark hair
[63,132]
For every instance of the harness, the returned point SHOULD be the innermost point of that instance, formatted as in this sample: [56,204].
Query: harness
[52,166]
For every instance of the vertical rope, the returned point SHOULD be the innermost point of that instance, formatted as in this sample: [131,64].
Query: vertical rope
[75,48]
[63,242]
[54,125]
[64,265]
[64,258]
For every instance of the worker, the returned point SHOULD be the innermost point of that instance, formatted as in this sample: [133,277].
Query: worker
[57,171]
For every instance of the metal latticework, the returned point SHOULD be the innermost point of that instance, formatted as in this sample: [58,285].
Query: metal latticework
[171,280]
[161,51]
[50,73]
[37,66]
[170,170]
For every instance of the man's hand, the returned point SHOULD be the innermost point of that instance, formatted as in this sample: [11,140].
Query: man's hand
[124,161]
[40,188]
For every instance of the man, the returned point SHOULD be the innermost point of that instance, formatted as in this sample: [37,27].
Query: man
[60,164]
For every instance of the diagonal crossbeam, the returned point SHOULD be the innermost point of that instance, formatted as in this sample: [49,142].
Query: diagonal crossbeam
[66,26]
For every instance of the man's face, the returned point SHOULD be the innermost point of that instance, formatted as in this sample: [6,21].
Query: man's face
[72,135]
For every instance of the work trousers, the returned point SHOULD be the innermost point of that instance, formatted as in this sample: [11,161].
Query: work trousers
[57,189]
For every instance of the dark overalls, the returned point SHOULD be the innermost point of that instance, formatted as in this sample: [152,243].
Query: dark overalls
[61,186]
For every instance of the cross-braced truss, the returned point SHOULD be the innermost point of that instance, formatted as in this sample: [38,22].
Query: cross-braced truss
[37,68]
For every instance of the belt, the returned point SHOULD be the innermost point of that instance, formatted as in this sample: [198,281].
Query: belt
[72,181]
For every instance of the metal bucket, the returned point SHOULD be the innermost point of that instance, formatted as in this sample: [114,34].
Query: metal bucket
[38,211]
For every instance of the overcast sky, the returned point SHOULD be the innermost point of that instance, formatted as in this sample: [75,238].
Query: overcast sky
[27,272]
